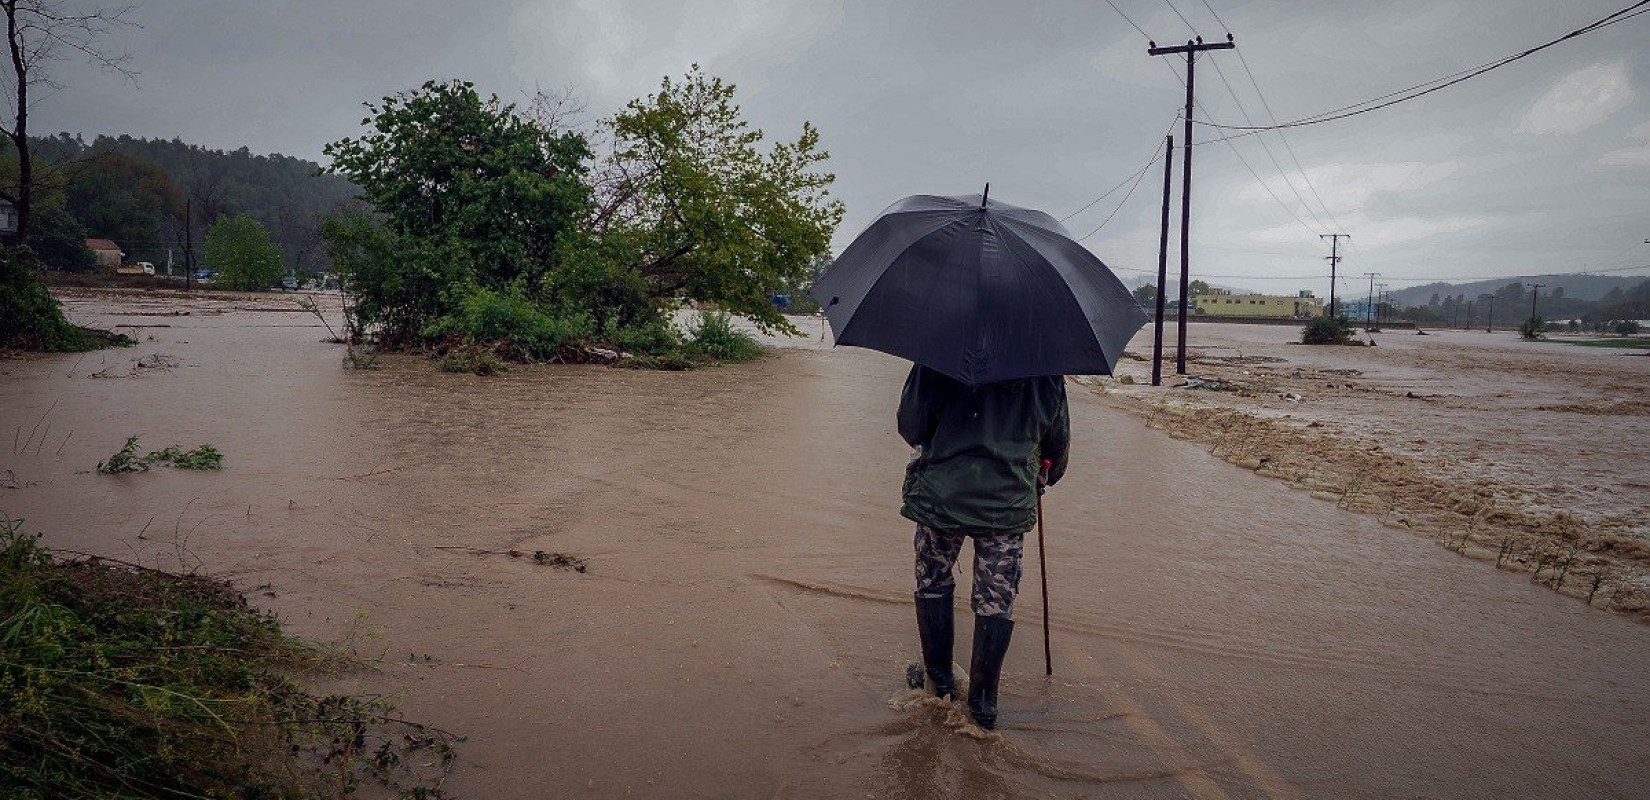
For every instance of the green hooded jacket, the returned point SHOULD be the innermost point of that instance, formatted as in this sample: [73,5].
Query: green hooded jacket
[980,449]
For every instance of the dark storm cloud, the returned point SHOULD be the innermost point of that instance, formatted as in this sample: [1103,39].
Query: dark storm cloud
[1543,165]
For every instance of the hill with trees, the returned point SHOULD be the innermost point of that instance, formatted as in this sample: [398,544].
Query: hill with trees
[141,192]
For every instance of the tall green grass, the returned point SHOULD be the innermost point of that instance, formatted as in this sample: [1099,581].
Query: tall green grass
[118,681]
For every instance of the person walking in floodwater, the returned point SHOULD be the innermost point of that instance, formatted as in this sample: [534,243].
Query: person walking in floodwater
[976,475]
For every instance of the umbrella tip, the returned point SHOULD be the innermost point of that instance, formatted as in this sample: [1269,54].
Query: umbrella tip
[985,194]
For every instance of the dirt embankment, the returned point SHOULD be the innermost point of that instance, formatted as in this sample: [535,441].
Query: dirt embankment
[1501,455]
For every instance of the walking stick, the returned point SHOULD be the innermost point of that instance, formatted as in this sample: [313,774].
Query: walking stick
[1042,567]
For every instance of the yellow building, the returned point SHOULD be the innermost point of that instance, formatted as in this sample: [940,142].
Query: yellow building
[1301,306]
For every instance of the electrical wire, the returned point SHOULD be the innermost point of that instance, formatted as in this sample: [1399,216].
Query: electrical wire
[1156,154]
[1138,177]
[1126,19]
[1182,17]
[1402,95]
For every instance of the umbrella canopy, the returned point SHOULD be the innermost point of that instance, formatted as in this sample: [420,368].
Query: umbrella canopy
[979,290]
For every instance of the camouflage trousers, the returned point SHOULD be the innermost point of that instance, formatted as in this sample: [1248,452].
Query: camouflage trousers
[996,567]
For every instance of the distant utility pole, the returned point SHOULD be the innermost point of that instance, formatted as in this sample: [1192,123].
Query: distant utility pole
[1191,49]
[1490,299]
[1163,265]
[1535,292]
[1382,306]
[188,246]
[1369,312]
[1334,258]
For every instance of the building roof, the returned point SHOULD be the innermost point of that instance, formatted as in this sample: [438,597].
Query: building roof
[102,244]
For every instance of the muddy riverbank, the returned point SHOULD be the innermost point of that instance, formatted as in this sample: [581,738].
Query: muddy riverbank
[1524,455]
[742,621]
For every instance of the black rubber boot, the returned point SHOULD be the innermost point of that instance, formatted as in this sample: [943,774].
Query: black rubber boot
[991,635]
[937,627]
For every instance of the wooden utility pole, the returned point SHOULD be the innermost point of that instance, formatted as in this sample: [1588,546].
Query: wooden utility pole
[188,245]
[1334,259]
[1162,264]
[1535,291]
[1191,49]
[1369,313]
[1490,298]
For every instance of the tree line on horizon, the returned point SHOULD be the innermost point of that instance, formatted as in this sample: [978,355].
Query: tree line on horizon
[155,198]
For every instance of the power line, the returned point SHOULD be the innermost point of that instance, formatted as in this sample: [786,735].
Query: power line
[1223,25]
[1273,158]
[1138,177]
[1182,17]
[1402,95]
[1126,18]
[1156,154]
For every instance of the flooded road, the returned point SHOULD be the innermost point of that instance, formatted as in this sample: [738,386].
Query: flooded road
[744,616]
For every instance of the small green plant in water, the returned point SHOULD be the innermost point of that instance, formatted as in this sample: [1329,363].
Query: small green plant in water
[126,458]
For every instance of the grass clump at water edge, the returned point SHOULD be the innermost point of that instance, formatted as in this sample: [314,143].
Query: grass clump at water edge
[119,681]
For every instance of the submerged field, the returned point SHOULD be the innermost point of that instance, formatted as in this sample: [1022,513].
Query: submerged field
[1526,454]
[630,583]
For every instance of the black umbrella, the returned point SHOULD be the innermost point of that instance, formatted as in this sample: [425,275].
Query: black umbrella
[979,290]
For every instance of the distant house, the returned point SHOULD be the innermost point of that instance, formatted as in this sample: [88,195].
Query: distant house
[108,253]
[1221,303]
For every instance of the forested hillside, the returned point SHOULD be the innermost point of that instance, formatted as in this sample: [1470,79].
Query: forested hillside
[137,192]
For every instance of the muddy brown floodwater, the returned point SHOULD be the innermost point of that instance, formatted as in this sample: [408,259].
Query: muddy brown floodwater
[743,621]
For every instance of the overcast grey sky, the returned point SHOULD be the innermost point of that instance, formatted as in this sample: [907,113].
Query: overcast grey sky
[1543,165]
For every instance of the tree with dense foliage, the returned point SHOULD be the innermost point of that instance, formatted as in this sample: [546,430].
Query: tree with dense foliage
[59,239]
[124,198]
[239,250]
[1145,294]
[289,196]
[690,203]
[485,215]
[469,194]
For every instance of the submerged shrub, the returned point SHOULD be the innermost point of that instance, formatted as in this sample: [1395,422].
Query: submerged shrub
[1327,330]
[714,336]
[30,319]
[513,326]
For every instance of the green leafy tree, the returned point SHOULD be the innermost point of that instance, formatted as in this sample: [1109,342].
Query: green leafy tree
[692,205]
[470,195]
[1532,327]
[59,239]
[239,250]
[1145,294]
[442,162]
[124,198]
